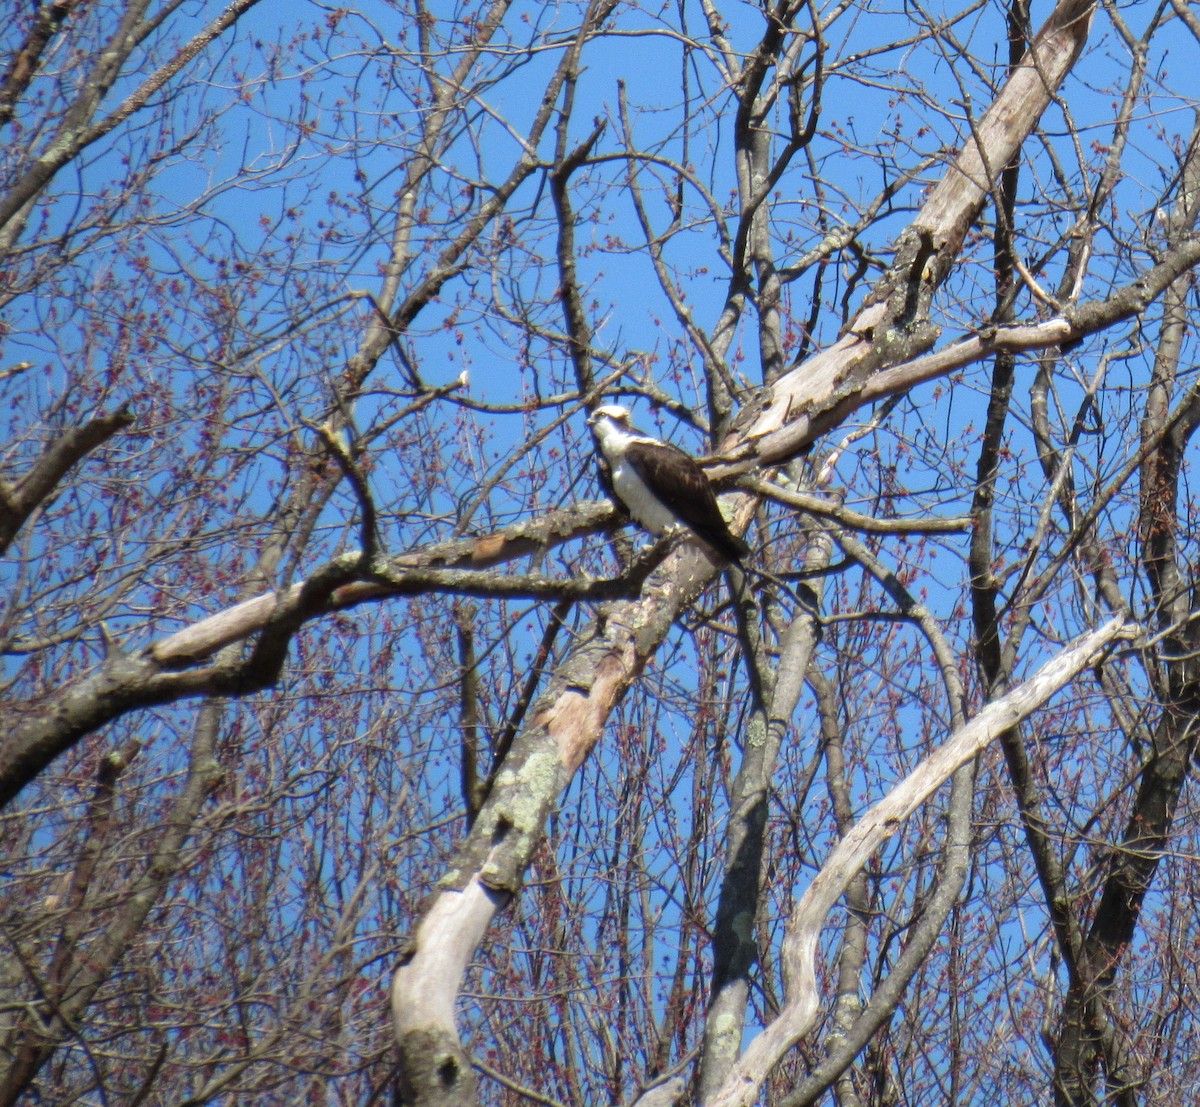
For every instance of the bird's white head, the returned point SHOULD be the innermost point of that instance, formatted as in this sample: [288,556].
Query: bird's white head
[613,412]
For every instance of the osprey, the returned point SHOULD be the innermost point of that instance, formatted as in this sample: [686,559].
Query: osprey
[659,485]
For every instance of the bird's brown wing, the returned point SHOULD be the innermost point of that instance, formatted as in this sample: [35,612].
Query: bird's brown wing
[662,465]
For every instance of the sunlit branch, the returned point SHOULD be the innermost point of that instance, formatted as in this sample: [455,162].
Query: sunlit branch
[1087,318]
[882,821]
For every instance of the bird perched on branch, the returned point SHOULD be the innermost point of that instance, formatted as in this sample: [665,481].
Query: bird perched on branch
[659,485]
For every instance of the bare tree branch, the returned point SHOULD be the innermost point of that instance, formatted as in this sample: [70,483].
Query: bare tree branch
[809,915]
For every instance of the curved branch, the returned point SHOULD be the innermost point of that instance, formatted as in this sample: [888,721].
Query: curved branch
[163,673]
[18,502]
[879,824]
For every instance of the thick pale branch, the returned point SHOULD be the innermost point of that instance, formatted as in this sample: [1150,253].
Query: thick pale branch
[879,824]
[41,731]
[164,672]
[998,136]
[445,567]
[816,414]
[425,987]
[892,326]
[559,733]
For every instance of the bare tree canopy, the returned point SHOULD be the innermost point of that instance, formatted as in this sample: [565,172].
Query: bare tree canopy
[354,746]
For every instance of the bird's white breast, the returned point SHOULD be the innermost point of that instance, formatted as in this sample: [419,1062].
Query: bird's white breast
[643,505]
